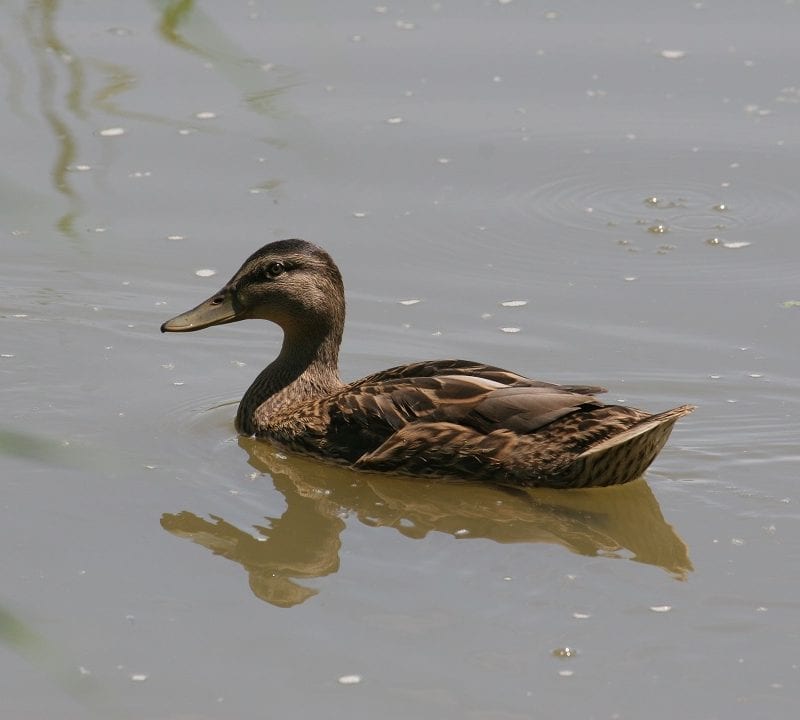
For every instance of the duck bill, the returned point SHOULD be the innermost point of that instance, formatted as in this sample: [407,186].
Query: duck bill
[217,310]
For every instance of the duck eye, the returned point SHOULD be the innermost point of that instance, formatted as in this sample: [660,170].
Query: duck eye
[276,268]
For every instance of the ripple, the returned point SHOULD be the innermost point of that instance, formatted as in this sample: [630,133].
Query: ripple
[586,202]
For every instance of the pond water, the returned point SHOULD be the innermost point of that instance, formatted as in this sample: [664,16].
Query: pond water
[582,192]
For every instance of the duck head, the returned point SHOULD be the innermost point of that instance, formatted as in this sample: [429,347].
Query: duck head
[293,283]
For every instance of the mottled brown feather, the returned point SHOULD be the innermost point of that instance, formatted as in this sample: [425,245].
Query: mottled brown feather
[439,418]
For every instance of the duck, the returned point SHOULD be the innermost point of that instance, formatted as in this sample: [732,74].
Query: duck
[438,419]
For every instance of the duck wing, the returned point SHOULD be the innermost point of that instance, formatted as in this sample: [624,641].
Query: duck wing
[467,368]
[364,416]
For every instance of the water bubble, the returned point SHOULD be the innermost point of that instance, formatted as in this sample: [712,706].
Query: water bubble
[564,652]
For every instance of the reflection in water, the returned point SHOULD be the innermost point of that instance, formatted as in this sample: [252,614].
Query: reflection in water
[623,520]
[53,55]
[185,26]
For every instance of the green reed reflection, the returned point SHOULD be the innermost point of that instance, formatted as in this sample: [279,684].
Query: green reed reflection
[620,521]
[53,57]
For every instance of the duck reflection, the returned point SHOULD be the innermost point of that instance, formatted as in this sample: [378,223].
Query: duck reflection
[619,521]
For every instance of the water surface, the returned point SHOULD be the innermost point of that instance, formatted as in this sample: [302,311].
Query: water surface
[579,192]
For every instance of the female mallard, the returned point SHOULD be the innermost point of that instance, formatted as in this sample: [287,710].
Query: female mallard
[440,418]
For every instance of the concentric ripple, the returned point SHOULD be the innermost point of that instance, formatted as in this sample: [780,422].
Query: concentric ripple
[596,202]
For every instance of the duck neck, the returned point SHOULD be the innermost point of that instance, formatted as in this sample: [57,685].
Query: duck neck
[306,368]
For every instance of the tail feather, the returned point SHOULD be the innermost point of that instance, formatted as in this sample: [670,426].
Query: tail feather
[626,455]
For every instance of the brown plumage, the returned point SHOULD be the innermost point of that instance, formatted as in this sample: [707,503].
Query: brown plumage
[440,418]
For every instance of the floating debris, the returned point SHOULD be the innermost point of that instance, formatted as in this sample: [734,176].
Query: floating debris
[661,608]
[790,303]
[138,677]
[673,54]
[176,237]
[514,303]
[735,245]
[510,329]
[112,132]
[358,214]
[394,120]
[412,301]
[658,229]
[349,679]
[720,207]
[581,616]
[205,115]
[205,272]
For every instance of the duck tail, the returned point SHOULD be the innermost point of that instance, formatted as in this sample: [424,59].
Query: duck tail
[626,455]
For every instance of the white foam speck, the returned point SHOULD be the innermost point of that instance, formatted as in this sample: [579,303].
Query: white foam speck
[349,679]
[413,301]
[514,303]
[112,132]
[661,608]
[205,272]
[673,54]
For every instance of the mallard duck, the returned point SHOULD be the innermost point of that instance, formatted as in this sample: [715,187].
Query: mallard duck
[434,419]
